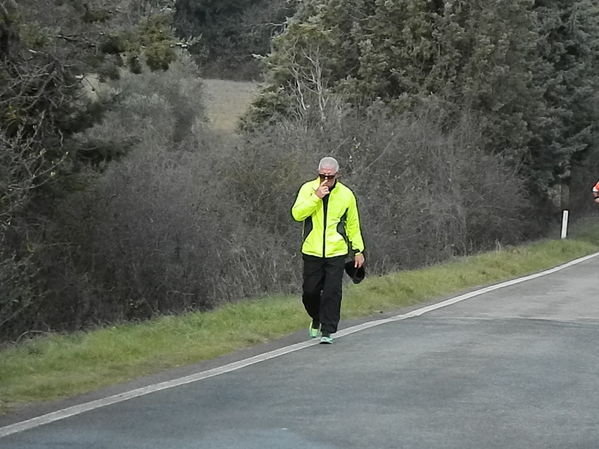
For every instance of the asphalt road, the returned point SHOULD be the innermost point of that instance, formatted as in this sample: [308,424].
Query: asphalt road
[517,367]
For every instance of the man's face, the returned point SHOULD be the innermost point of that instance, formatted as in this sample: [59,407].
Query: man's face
[327,175]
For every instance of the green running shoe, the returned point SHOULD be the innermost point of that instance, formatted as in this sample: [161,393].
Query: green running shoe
[313,332]
[326,340]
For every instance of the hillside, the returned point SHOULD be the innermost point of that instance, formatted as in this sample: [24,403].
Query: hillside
[226,101]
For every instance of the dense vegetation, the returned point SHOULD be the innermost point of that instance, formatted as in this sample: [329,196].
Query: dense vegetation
[461,126]
[525,70]
[231,33]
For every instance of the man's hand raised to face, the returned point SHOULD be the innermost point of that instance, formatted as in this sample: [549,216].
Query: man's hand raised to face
[323,190]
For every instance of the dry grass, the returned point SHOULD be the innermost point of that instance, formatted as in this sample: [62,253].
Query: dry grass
[226,101]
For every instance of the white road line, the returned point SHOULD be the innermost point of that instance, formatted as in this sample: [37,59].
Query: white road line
[85,407]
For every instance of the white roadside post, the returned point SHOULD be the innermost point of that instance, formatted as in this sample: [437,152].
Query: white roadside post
[564,224]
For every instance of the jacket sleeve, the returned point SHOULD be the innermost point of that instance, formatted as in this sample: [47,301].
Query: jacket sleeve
[353,226]
[305,203]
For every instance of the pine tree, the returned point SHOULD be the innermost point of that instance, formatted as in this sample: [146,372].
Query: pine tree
[231,32]
[526,69]
[476,55]
[569,50]
[496,80]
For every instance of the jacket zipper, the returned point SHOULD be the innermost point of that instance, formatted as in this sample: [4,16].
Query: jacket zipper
[324,227]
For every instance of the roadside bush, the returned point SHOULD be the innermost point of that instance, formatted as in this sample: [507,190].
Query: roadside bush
[425,194]
[186,221]
[585,175]
[17,291]
[151,223]
[90,245]
[158,233]
[432,194]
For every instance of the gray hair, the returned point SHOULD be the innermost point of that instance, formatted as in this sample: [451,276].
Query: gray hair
[328,162]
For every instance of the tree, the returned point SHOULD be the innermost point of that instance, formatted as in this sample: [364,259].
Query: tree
[230,32]
[316,53]
[49,52]
[570,43]
[497,79]
[477,56]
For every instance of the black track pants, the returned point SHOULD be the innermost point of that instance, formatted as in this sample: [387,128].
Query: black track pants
[322,290]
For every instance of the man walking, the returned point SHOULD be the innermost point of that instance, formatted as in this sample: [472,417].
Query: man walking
[331,231]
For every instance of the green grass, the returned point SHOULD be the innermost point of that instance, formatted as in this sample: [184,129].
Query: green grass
[59,366]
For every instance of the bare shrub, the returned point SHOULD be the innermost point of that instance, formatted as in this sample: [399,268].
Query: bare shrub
[432,194]
[149,230]
[157,233]
[25,169]
[425,194]
[186,225]
[122,244]
[17,291]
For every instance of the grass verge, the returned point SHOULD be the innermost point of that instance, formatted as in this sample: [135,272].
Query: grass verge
[60,366]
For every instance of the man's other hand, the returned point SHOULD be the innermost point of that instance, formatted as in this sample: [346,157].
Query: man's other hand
[358,260]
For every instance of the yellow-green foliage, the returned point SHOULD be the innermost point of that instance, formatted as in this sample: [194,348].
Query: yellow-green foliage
[153,38]
[62,365]
[156,36]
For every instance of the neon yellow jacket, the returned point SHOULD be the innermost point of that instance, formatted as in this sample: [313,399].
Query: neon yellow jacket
[330,224]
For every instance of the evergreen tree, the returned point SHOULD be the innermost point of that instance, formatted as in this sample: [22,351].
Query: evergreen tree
[569,49]
[497,81]
[474,55]
[230,32]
